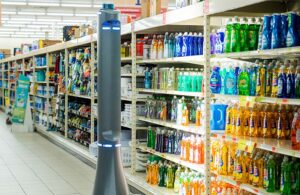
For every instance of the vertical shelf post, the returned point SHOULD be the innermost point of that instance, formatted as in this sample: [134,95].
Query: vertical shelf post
[66,63]
[47,90]
[133,104]
[92,65]
[207,101]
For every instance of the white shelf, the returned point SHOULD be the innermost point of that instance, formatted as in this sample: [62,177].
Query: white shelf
[130,127]
[270,144]
[40,67]
[80,96]
[198,60]
[190,129]
[174,158]
[171,92]
[130,75]
[129,99]
[126,59]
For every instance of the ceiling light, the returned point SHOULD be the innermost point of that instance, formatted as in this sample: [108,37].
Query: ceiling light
[86,15]
[8,12]
[60,14]
[75,5]
[13,25]
[48,20]
[31,13]
[22,19]
[17,22]
[12,3]
[44,4]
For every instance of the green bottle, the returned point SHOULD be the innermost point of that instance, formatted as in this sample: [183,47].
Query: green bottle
[297,175]
[278,160]
[271,168]
[177,179]
[228,36]
[149,136]
[243,82]
[293,174]
[266,175]
[285,177]
[235,36]
[161,174]
[170,177]
[252,35]
[244,35]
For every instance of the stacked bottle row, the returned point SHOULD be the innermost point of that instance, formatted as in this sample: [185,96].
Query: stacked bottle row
[183,111]
[170,45]
[274,172]
[268,79]
[40,61]
[42,120]
[167,174]
[180,79]
[79,81]
[222,188]
[189,147]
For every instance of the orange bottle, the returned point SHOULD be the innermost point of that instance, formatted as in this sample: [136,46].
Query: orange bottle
[290,117]
[295,138]
[187,149]
[223,159]
[192,149]
[260,120]
[228,120]
[201,151]
[198,117]
[185,117]
[238,122]
[266,125]
[232,120]
[280,124]
[182,149]
[273,121]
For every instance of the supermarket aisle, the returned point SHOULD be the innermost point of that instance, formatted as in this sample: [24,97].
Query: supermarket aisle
[31,165]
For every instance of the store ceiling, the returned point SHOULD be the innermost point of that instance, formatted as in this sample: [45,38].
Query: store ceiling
[36,18]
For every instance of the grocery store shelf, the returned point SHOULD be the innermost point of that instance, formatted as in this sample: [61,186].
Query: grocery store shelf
[130,99]
[80,96]
[171,92]
[259,99]
[269,144]
[246,187]
[130,75]
[174,158]
[40,67]
[198,60]
[41,96]
[173,125]
[126,59]
[137,127]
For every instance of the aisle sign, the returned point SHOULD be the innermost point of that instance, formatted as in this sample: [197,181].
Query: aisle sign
[21,97]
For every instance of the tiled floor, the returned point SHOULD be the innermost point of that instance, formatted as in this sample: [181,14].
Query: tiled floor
[31,165]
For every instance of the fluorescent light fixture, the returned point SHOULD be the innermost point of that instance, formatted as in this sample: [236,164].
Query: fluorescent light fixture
[60,14]
[17,22]
[86,15]
[22,19]
[8,29]
[4,36]
[13,3]
[13,25]
[8,12]
[44,4]
[48,20]
[75,5]
[31,13]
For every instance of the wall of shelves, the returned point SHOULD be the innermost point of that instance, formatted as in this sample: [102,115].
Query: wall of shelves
[202,15]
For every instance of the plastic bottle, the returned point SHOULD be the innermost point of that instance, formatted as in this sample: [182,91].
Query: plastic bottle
[231,158]
[243,82]
[238,122]
[179,45]
[195,44]
[190,48]
[200,43]
[179,111]
[269,76]
[245,122]
[148,79]
[292,38]
[213,41]
[174,107]
[281,123]
[198,117]
[295,138]
[253,122]
[235,36]
[260,32]
[185,44]
[290,83]
[215,81]
[271,170]
[265,171]
[275,73]
[253,79]
[244,35]
[266,33]
[176,181]
[228,36]
[166,45]
[230,82]
[297,82]
[297,177]
[284,29]
[171,46]
[160,50]
[223,164]
[261,78]
[258,170]
[223,73]
[228,119]
[276,31]
[238,166]
[154,48]
[185,117]
[281,93]
[285,178]
[252,36]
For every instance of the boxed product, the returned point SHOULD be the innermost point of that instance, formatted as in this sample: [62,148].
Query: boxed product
[4,53]
[69,32]
[46,43]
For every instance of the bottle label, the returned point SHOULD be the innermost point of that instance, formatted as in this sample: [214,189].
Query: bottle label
[266,178]
[238,168]
[230,84]
[256,171]
[280,87]
[298,135]
[238,122]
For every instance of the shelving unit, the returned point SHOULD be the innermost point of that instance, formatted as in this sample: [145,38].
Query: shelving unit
[204,16]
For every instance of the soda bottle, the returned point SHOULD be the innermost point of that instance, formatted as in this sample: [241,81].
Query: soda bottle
[285,178]
[271,173]
[228,36]
[235,36]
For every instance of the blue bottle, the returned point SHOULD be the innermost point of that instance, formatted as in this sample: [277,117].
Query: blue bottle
[223,72]
[298,26]
[230,82]
[237,71]
[190,51]
[281,93]
[148,79]
[292,38]
[171,46]
[266,33]
[253,79]
[290,83]
[195,45]
[179,45]
[200,44]
[221,40]
[284,29]
[185,44]
[276,31]
[215,81]
[213,42]
[175,44]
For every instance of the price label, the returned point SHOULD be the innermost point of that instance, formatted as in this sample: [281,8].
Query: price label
[164,18]
[250,147]
[246,146]
[273,149]
[247,101]
[132,26]
[284,101]
[206,7]
[242,145]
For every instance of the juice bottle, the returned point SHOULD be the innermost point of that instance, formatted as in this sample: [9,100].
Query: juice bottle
[275,73]
[223,164]
[285,184]
[228,120]
[295,138]
[258,169]
[265,171]
[231,158]
[245,167]
[271,170]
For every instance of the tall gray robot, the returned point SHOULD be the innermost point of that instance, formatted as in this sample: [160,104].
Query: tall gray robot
[110,179]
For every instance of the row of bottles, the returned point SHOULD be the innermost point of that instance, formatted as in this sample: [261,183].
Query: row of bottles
[222,188]
[180,79]
[274,172]
[183,111]
[268,79]
[262,120]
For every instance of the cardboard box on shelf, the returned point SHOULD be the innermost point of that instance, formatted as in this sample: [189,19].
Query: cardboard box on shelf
[5,52]
[153,7]
[46,43]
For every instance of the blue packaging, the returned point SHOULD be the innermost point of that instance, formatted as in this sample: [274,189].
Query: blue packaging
[175,45]
[284,29]
[179,45]
[190,51]
[185,44]
[200,44]
[266,33]
[213,42]
[276,31]
[195,45]
[298,26]
[218,116]
[292,38]
[221,36]
[215,81]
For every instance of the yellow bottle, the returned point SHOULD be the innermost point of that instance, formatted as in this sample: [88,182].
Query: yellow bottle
[238,122]
[251,166]
[266,126]
[238,175]
[275,72]
[223,157]
[246,116]
[228,120]
[231,157]
[259,120]
[232,120]
[185,117]
[273,121]
[258,169]
[280,124]
[253,122]
[245,167]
